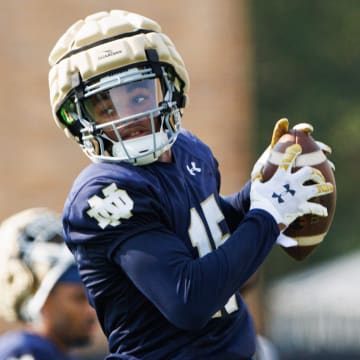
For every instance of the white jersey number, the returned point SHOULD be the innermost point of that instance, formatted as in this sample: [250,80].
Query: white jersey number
[199,237]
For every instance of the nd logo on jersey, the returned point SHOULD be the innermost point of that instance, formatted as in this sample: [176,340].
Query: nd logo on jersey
[115,205]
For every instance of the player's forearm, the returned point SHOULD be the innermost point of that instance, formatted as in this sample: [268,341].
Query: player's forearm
[188,291]
[249,245]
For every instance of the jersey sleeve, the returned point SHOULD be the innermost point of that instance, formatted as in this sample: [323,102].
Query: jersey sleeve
[188,291]
[236,206]
[110,209]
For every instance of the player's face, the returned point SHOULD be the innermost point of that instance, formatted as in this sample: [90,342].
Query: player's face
[125,101]
[69,316]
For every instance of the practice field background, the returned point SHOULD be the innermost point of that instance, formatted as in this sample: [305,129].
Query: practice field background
[251,62]
[306,67]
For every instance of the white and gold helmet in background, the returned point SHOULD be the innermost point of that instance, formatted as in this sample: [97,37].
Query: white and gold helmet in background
[33,256]
[96,61]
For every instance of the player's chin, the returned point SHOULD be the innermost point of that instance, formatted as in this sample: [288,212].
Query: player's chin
[81,341]
[84,336]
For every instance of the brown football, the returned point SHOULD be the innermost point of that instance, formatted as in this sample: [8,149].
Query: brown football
[308,230]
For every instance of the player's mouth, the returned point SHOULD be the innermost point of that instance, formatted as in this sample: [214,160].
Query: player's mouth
[134,131]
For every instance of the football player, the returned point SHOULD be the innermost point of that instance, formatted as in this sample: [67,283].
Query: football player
[41,287]
[161,252]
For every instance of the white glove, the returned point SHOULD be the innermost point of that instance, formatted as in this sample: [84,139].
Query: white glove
[285,196]
[281,127]
[326,149]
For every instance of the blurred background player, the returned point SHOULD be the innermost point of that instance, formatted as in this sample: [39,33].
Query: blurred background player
[40,288]
[161,252]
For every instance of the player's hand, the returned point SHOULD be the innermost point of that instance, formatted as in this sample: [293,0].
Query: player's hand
[326,149]
[281,127]
[285,196]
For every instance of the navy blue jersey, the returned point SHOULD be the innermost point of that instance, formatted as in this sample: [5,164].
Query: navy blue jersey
[24,345]
[161,263]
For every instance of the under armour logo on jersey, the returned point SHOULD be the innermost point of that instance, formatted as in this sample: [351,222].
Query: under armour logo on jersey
[193,169]
[280,197]
[115,205]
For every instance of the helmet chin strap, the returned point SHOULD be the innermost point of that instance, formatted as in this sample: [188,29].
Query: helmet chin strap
[142,150]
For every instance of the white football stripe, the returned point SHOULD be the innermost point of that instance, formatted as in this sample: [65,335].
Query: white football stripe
[310,240]
[310,159]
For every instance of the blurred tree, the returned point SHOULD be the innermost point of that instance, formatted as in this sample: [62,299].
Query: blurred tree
[307,56]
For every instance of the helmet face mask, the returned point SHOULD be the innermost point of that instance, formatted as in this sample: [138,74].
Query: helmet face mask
[129,115]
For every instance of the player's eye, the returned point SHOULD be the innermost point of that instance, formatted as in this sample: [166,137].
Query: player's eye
[107,112]
[137,100]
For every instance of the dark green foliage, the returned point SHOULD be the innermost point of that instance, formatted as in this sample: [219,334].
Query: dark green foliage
[307,68]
